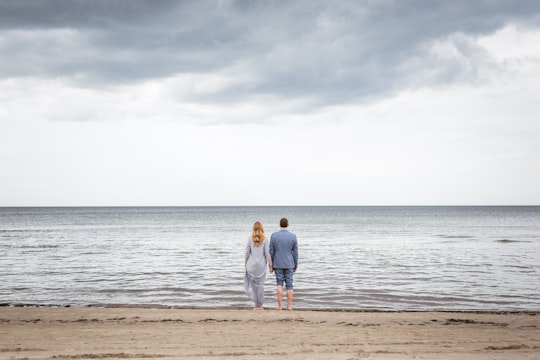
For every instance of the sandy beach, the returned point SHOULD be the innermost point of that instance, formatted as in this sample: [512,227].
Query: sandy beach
[152,333]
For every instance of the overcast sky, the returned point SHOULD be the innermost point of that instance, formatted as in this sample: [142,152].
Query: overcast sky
[374,102]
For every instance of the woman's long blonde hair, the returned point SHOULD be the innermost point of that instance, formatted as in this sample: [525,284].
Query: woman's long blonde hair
[258,233]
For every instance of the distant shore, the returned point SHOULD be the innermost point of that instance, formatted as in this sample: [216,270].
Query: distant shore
[149,332]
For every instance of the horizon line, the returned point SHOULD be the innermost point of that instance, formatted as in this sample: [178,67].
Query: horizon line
[224,206]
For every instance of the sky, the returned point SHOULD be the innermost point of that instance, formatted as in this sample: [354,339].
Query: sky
[217,103]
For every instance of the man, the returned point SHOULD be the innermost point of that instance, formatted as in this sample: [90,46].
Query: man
[284,254]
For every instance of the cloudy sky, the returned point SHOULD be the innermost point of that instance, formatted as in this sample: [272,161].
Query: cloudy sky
[374,102]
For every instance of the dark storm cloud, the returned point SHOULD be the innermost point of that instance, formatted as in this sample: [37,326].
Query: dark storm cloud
[328,51]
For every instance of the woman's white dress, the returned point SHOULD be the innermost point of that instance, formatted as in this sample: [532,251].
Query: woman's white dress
[257,260]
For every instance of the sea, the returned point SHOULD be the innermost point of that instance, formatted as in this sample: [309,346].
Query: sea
[353,257]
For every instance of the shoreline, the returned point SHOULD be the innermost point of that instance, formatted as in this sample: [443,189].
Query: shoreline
[43,332]
[321,309]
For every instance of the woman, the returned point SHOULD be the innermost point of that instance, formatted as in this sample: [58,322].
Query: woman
[257,259]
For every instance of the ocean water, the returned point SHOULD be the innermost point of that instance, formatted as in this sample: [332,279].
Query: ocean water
[386,258]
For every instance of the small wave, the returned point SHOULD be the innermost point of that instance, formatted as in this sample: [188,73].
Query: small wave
[123,291]
[43,246]
[30,230]
[455,236]
[508,241]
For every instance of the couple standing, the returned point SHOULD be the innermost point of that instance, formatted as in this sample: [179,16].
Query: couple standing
[280,254]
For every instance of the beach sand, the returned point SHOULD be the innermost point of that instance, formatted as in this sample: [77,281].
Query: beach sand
[161,333]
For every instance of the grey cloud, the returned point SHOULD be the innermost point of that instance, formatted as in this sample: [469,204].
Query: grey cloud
[37,14]
[329,51]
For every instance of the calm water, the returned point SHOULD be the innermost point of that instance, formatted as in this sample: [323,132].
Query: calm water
[418,258]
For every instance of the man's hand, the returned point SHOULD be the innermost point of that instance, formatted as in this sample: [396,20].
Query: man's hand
[271,269]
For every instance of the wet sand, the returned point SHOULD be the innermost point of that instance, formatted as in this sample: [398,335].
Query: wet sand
[159,333]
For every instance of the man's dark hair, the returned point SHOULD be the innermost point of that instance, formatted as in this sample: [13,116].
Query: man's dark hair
[284,223]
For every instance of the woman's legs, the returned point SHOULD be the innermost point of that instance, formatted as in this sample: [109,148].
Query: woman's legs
[259,296]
